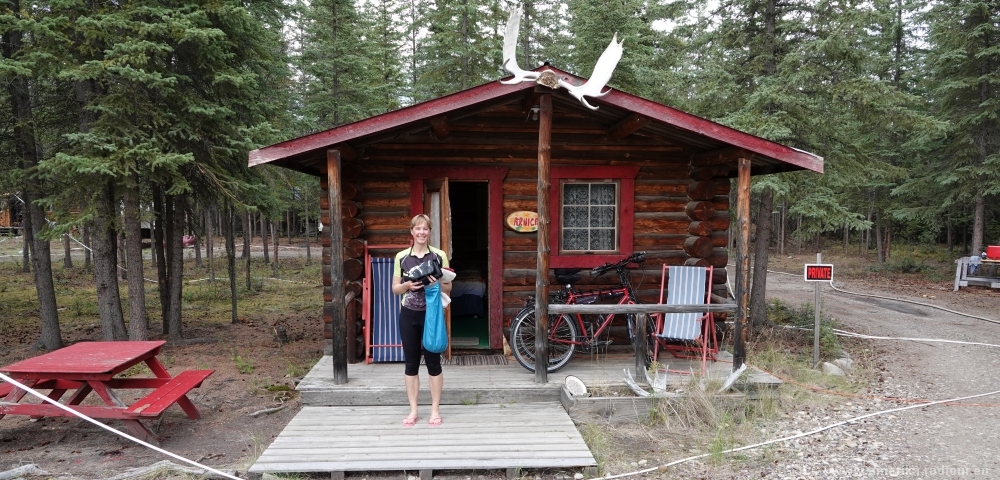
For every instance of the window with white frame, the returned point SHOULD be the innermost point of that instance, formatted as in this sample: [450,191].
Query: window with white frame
[590,216]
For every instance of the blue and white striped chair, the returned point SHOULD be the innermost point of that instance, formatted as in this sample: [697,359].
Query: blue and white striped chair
[686,335]
[380,309]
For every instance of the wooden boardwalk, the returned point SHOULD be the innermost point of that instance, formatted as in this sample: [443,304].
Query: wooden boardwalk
[471,437]
[495,417]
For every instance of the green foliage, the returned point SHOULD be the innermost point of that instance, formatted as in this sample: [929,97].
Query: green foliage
[804,317]
[244,366]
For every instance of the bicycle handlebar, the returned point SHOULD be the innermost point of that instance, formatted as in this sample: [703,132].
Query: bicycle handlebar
[637,257]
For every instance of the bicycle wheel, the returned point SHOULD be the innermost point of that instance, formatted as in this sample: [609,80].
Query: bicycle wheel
[633,319]
[562,334]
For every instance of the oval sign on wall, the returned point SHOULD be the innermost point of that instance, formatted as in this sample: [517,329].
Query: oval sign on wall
[523,221]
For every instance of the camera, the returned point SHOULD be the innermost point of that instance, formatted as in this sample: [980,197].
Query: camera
[419,273]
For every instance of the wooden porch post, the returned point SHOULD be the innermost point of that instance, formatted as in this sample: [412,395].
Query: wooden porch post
[742,262]
[335,231]
[542,267]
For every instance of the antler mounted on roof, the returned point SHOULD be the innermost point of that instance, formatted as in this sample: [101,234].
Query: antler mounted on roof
[593,87]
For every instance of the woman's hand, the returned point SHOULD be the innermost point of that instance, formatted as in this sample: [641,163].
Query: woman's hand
[413,286]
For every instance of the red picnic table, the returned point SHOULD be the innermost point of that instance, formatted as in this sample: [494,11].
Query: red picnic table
[92,367]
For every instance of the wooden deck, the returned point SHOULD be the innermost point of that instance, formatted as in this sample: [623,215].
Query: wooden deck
[472,437]
[495,417]
[382,383]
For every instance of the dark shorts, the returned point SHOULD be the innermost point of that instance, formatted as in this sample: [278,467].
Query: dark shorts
[411,329]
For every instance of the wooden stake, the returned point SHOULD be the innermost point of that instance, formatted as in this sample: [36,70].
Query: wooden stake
[542,268]
[742,263]
[337,304]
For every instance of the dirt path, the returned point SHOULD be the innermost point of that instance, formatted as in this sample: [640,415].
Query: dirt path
[933,442]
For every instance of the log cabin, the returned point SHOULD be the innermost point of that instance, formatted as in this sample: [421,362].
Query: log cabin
[654,179]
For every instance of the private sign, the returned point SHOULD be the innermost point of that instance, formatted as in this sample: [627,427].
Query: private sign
[819,272]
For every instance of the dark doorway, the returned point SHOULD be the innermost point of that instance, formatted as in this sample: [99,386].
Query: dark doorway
[470,259]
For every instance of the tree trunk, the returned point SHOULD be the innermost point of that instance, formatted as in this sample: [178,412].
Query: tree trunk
[227,227]
[247,235]
[263,238]
[197,239]
[138,324]
[28,235]
[888,239]
[209,242]
[758,301]
[274,235]
[109,302]
[288,228]
[798,239]
[67,258]
[176,277]
[847,237]
[880,254]
[160,228]
[978,223]
[86,246]
[122,262]
[246,248]
[949,234]
[308,235]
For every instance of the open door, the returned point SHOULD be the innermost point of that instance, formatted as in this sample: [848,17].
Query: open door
[437,206]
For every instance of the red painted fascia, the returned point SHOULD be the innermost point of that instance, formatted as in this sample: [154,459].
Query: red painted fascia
[717,131]
[386,121]
[626,177]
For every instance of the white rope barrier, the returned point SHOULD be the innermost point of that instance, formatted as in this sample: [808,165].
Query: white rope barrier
[793,437]
[112,430]
[845,333]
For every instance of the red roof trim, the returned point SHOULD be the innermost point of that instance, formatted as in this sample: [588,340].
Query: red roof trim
[708,128]
[386,121]
[493,90]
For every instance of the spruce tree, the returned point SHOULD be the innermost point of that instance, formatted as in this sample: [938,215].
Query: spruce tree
[965,63]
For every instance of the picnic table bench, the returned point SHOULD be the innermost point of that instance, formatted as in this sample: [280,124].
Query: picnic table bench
[87,367]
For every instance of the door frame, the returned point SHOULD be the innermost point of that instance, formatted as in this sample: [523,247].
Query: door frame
[494,177]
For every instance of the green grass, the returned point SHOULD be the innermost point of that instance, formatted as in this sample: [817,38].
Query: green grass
[297,291]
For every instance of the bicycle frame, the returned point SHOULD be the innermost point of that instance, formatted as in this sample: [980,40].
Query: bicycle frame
[569,296]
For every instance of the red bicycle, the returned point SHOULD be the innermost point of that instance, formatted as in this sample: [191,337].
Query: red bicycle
[567,332]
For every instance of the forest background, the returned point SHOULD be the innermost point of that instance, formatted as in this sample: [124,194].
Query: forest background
[115,115]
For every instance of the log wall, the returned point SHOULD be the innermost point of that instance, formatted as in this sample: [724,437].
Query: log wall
[681,210]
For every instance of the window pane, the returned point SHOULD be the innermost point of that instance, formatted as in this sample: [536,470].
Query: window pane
[602,239]
[602,217]
[576,217]
[574,239]
[602,194]
[576,194]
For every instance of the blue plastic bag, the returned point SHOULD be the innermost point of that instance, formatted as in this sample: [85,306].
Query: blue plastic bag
[435,333]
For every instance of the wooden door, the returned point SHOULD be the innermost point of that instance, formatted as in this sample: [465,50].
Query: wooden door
[438,207]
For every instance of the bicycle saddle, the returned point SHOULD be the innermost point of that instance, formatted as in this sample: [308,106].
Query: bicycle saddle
[567,276]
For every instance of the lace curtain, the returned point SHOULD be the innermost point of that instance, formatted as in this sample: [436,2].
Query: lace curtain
[589,216]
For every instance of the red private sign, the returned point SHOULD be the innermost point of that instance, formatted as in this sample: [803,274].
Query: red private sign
[819,272]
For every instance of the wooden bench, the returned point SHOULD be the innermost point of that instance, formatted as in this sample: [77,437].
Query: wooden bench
[174,391]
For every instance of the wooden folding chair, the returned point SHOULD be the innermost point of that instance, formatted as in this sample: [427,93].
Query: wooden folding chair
[380,308]
[686,335]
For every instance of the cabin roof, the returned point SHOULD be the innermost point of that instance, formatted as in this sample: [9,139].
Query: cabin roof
[691,134]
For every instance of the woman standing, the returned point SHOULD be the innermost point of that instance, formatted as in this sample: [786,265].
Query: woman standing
[411,319]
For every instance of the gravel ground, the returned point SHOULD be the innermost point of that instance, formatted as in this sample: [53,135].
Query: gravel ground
[956,441]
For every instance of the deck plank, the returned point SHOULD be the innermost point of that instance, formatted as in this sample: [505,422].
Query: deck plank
[496,436]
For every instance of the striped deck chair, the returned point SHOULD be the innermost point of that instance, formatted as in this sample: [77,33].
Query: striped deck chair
[686,335]
[380,308]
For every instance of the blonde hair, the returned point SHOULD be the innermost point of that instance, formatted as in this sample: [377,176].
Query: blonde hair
[417,220]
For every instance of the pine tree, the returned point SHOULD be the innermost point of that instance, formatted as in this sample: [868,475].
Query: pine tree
[462,49]
[965,65]
[334,65]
